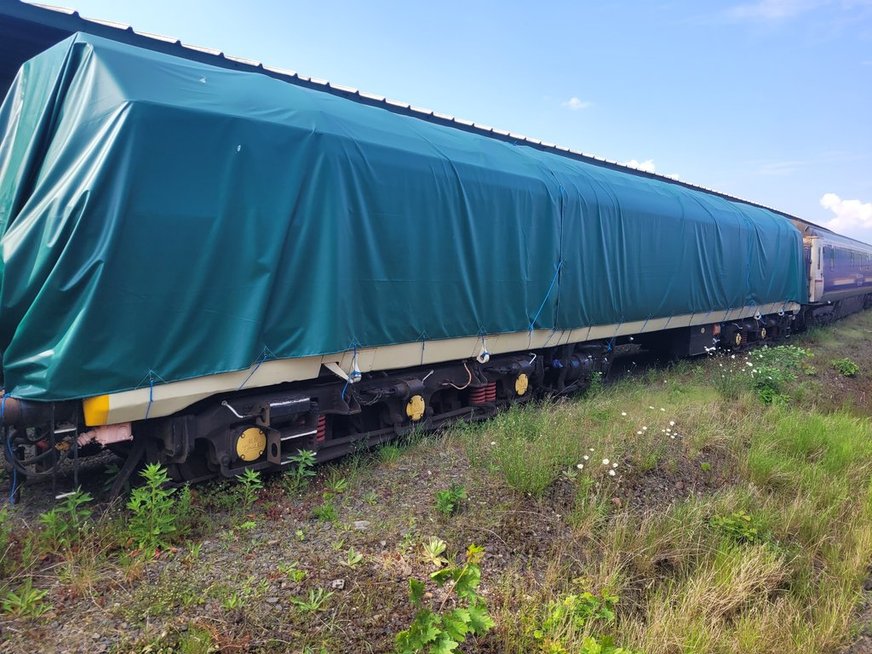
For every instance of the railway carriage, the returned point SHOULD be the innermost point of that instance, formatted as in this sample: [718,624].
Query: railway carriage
[214,269]
[840,274]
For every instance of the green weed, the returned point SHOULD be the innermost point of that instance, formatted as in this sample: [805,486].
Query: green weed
[313,602]
[433,551]
[774,368]
[326,511]
[62,526]
[567,620]
[739,527]
[845,367]
[448,501]
[443,631]
[153,520]
[25,601]
[300,471]
[292,572]
[335,483]
[250,485]
[353,558]
[233,601]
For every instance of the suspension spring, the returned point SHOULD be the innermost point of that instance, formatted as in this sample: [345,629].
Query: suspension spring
[481,395]
[321,428]
[478,396]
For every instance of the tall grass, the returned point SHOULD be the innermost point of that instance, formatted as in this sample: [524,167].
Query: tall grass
[800,481]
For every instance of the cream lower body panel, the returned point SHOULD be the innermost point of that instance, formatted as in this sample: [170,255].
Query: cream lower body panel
[166,399]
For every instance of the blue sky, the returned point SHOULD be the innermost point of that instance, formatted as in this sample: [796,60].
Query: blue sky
[769,100]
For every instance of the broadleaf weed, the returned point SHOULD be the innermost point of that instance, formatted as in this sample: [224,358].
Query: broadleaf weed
[153,507]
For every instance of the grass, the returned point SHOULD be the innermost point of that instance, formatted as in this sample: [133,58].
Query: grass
[773,560]
[676,512]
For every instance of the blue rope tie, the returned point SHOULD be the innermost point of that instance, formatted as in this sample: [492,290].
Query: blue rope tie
[547,295]
[353,349]
[10,454]
[264,355]
[151,377]
[150,396]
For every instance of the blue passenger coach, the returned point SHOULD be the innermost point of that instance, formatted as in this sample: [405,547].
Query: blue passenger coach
[839,273]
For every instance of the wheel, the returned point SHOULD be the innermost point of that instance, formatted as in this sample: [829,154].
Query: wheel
[737,339]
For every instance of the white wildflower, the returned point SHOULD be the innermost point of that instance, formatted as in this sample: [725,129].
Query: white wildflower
[605,462]
[580,466]
[644,429]
[671,423]
[615,465]
[623,413]
[611,473]
[586,457]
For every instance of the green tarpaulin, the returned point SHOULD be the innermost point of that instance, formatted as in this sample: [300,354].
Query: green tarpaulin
[164,219]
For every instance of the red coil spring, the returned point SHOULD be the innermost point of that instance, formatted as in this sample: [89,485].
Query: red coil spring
[478,396]
[483,394]
[321,434]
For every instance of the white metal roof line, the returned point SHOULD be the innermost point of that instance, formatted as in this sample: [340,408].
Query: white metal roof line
[239,60]
[107,23]
[60,10]
[280,71]
[201,48]
[169,39]
[346,89]
[371,96]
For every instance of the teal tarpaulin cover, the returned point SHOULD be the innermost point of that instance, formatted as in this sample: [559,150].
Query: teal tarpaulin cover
[164,218]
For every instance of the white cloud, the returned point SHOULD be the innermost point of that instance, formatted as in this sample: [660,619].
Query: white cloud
[576,103]
[646,166]
[849,215]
